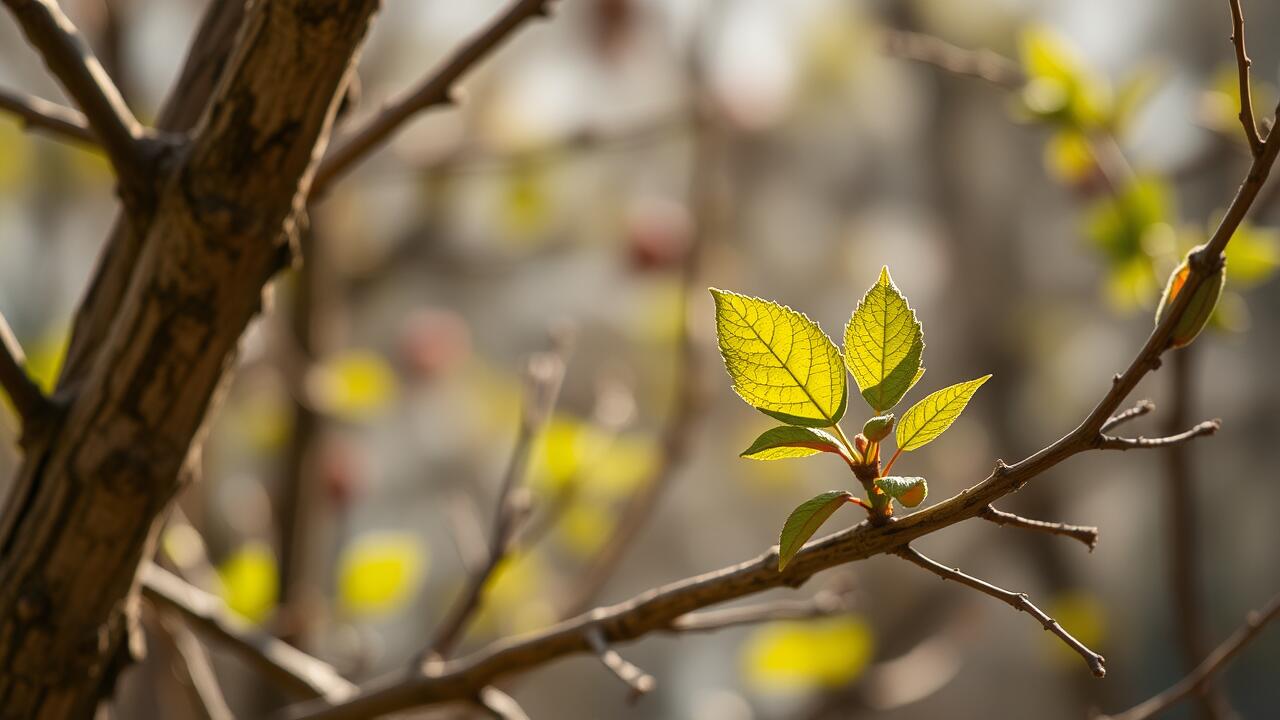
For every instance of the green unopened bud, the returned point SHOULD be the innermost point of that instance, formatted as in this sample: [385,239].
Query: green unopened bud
[1202,304]
[879,427]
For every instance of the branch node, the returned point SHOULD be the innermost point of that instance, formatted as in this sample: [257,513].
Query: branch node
[1017,600]
[1084,533]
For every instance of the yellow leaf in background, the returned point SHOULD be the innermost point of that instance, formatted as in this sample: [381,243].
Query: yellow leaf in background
[1068,157]
[623,466]
[1252,255]
[250,581]
[379,572]
[584,527]
[514,602]
[931,417]
[559,456]
[1131,284]
[1080,614]
[780,361]
[526,208]
[1060,85]
[797,656]
[352,386]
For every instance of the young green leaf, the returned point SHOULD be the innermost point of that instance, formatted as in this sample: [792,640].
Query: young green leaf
[789,441]
[930,417]
[910,491]
[780,361]
[805,520]
[883,343]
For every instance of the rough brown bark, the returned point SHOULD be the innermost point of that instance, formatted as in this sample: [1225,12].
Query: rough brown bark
[84,506]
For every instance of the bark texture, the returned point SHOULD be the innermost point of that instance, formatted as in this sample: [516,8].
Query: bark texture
[158,332]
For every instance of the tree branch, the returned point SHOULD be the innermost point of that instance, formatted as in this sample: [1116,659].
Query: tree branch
[294,671]
[435,89]
[823,604]
[1086,534]
[544,376]
[49,117]
[1207,427]
[640,682]
[74,66]
[28,400]
[1242,66]
[1212,665]
[1141,408]
[1018,601]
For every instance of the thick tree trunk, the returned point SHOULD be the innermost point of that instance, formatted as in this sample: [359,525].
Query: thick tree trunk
[82,512]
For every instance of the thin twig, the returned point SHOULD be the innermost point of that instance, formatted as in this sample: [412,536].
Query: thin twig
[1143,407]
[823,604]
[1207,427]
[49,117]
[1086,534]
[74,66]
[435,89]
[28,400]
[981,64]
[198,668]
[1242,66]
[545,374]
[293,670]
[1211,666]
[640,682]
[500,705]
[1018,601]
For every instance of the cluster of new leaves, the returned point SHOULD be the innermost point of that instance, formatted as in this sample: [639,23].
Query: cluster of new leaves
[785,366]
[1133,222]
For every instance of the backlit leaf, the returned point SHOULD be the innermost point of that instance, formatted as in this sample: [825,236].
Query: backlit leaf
[805,520]
[910,491]
[883,343]
[789,441]
[930,417]
[780,361]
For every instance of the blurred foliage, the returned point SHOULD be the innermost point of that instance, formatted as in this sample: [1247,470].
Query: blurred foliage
[250,581]
[379,573]
[354,385]
[1085,614]
[801,656]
